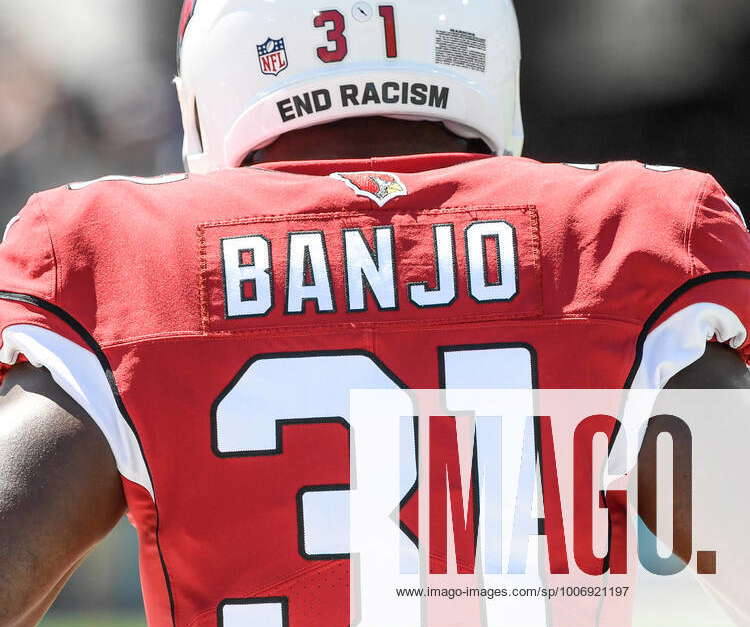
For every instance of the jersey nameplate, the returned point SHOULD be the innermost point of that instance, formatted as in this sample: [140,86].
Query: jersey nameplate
[478,261]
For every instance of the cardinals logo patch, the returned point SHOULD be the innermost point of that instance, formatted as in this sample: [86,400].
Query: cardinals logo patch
[380,187]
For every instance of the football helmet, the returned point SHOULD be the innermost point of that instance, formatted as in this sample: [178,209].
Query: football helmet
[252,70]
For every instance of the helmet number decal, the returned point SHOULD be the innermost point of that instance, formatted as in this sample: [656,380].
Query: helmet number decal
[387,13]
[335,35]
[336,24]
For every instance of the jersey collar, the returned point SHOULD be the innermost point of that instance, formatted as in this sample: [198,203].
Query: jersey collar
[406,164]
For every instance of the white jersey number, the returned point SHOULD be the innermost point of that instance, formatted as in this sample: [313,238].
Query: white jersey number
[313,387]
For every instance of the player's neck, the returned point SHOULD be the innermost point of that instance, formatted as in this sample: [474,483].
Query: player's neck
[362,138]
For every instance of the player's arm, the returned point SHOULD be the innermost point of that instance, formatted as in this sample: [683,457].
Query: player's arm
[60,492]
[718,249]
[720,368]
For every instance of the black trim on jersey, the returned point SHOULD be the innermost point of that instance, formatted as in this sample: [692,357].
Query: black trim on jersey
[269,272]
[425,284]
[198,126]
[83,333]
[648,326]
[603,497]
[240,262]
[279,433]
[498,257]
[373,252]
[516,262]
[666,304]
[579,166]
[307,269]
[282,601]
[442,350]
[281,423]
[540,526]
[306,258]
[412,490]
[334,487]
[475,485]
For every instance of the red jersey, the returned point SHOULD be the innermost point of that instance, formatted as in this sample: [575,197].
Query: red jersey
[212,325]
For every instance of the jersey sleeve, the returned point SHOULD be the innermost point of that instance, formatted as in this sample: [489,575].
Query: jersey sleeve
[28,275]
[719,238]
[712,304]
[35,328]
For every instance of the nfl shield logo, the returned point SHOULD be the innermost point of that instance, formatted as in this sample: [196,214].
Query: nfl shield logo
[272,56]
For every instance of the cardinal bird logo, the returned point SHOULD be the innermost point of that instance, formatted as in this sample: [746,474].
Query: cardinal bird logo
[380,187]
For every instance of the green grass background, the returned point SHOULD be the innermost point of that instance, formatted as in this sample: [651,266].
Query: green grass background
[104,591]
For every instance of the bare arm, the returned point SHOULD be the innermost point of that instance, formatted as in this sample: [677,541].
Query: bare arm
[60,492]
[720,368]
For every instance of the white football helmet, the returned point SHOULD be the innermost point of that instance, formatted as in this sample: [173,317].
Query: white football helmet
[251,70]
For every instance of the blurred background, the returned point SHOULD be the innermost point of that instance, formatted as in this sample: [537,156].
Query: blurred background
[85,91]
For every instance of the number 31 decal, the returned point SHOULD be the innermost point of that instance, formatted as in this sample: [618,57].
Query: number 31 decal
[336,23]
